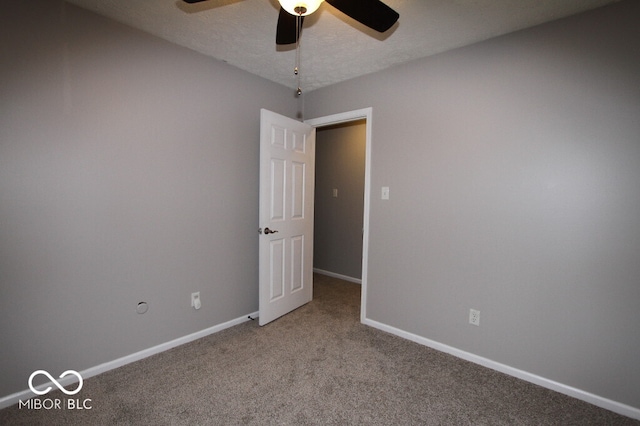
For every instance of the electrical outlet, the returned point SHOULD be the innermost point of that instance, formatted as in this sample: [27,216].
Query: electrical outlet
[474,317]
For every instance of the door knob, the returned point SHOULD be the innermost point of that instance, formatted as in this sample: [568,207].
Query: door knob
[269,231]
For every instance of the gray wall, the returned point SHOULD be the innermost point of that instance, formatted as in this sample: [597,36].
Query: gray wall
[514,170]
[340,161]
[128,172]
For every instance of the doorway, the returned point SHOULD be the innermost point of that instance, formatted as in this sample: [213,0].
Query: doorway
[339,200]
[363,116]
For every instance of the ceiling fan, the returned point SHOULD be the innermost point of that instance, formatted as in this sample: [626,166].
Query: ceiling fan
[371,13]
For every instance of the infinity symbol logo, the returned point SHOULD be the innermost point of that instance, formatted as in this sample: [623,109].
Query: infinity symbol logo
[55,382]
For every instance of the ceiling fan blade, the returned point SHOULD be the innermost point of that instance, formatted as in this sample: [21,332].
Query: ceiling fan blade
[286,31]
[372,13]
[193,1]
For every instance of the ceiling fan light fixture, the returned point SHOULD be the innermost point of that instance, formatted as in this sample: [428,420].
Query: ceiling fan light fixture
[300,7]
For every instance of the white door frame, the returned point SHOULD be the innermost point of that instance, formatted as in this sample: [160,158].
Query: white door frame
[366,114]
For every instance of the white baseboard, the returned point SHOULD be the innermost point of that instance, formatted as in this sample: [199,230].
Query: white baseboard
[340,276]
[616,407]
[12,399]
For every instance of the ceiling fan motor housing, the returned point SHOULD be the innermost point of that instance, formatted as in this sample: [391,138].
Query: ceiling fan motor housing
[300,7]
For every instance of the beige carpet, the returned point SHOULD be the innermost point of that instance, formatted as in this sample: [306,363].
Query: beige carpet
[317,365]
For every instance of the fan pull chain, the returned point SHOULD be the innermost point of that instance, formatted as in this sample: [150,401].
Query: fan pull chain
[296,70]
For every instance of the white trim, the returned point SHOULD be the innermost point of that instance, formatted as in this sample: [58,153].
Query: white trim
[616,407]
[367,115]
[339,276]
[12,399]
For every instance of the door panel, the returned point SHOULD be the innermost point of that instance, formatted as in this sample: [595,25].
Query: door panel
[278,199]
[297,190]
[287,163]
[297,263]
[277,275]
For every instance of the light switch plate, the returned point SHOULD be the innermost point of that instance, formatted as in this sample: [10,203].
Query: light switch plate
[385,193]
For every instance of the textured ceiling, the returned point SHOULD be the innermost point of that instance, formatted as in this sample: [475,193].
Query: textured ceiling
[334,47]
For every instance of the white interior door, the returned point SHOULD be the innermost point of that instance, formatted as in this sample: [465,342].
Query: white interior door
[287,163]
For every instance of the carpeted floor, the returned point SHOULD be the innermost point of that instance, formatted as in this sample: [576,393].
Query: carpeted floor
[317,365]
